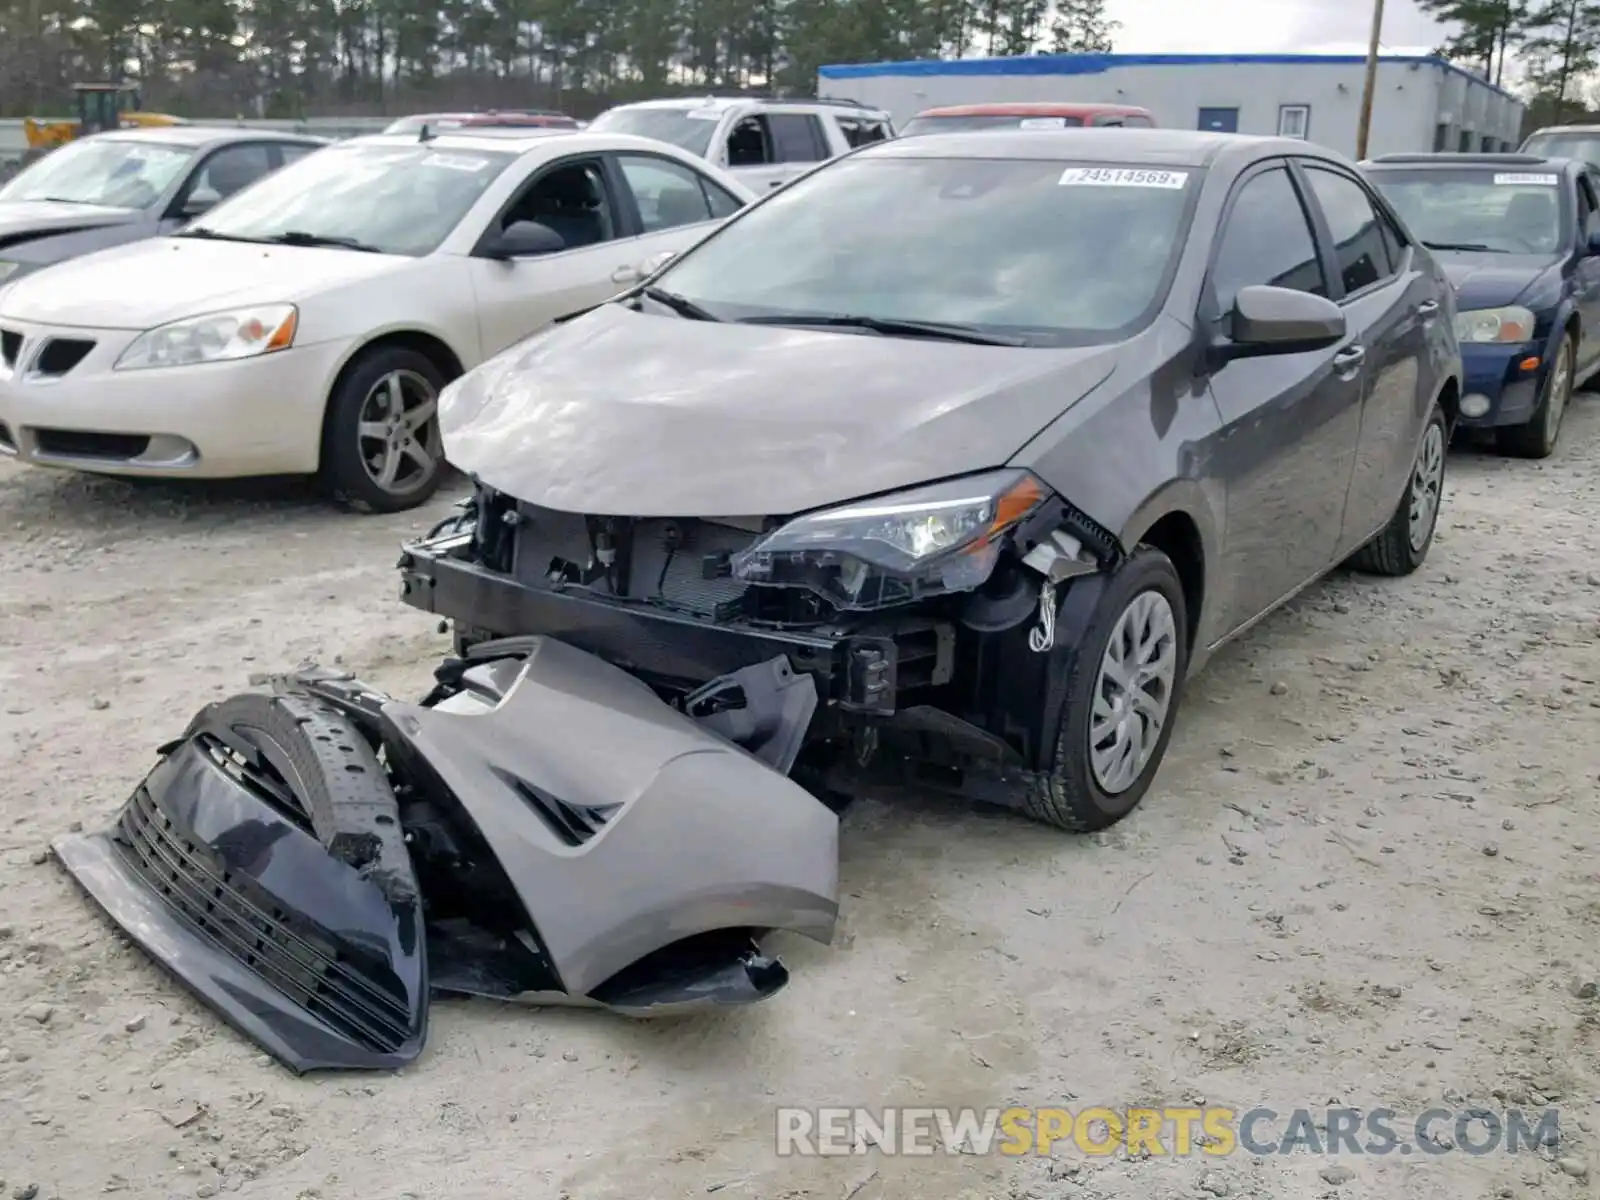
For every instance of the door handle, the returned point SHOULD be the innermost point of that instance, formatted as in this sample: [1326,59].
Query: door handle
[1428,308]
[625,275]
[1349,358]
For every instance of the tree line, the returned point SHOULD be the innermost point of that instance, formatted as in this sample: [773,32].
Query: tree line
[1556,43]
[295,58]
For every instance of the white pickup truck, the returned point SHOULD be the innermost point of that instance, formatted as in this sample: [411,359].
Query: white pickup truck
[763,143]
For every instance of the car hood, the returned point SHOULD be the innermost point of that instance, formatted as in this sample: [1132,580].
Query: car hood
[21,220]
[628,414]
[147,283]
[1489,280]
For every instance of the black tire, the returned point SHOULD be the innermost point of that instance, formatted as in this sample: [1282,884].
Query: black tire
[1393,552]
[1537,437]
[1067,793]
[347,453]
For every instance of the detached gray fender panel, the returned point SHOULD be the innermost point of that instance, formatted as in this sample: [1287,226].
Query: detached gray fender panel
[622,824]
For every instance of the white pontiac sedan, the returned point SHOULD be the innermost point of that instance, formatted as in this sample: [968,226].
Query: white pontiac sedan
[307,324]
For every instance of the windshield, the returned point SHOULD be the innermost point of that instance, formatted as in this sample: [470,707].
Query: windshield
[690,128]
[1514,212]
[1585,147]
[396,199]
[118,173]
[1056,253]
[988,121]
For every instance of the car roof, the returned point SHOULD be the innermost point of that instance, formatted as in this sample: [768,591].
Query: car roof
[1442,159]
[727,102]
[520,140]
[511,116]
[1032,110]
[1566,129]
[1158,147]
[205,135]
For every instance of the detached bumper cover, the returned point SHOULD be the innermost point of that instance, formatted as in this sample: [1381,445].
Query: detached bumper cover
[292,946]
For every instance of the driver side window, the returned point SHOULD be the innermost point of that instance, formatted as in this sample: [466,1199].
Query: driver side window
[1588,207]
[571,199]
[229,170]
[1267,240]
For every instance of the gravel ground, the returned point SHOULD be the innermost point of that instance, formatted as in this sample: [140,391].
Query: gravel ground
[1365,875]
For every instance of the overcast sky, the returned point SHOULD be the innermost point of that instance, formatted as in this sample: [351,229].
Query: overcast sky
[1268,26]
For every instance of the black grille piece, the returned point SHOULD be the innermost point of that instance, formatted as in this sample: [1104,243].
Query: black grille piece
[287,951]
[10,346]
[60,355]
[76,443]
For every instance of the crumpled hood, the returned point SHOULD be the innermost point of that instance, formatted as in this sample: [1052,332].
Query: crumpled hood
[623,413]
[1490,280]
[24,219]
[147,283]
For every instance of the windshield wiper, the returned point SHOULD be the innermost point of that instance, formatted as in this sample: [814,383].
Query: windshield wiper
[1464,246]
[196,231]
[299,237]
[892,328]
[681,305]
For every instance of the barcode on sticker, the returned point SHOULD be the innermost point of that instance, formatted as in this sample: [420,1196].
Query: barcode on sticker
[1543,180]
[1042,123]
[704,114]
[1122,177]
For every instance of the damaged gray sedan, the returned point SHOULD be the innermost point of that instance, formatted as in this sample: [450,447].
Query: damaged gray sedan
[946,463]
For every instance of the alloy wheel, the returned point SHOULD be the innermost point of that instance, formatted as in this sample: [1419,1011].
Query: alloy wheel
[397,435]
[1133,693]
[1427,481]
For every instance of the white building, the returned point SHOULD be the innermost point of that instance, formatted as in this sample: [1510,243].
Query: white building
[1419,103]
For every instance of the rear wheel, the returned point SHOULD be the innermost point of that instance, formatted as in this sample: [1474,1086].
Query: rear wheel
[1123,680]
[1537,438]
[1405,540]
[381,448]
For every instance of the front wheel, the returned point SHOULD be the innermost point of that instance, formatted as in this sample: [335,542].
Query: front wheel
[1123,680]
[381,449]
[1538,436]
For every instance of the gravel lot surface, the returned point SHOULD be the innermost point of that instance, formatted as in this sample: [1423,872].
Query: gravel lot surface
[1366,875]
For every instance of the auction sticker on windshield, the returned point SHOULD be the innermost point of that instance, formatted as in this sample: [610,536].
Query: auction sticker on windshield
[1122,177]
[704,114]
[1042,123]
[1545,180]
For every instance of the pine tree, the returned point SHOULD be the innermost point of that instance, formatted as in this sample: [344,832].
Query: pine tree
[1081,26]
[1563,49]
[1485,31]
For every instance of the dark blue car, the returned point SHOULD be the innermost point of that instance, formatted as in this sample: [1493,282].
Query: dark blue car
[1519,237]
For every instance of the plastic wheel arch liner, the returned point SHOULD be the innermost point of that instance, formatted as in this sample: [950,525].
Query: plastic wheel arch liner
[622,824]
[302,929]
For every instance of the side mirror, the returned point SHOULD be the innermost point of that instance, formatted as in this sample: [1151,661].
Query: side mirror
[1275,320]
[524,239]
[199,203]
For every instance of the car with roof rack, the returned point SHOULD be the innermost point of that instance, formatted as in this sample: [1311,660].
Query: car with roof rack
[962,117]
[1519,237]
[494,118]
[763,142]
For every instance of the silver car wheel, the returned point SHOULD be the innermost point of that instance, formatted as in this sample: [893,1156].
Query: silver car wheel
[398,432]
[1427,480]
[1133,694]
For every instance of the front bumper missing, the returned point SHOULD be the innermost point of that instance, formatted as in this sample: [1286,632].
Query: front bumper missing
[862,670]
[580,842]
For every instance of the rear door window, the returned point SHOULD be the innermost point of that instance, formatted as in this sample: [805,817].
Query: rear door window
[796,137]
[1353,222]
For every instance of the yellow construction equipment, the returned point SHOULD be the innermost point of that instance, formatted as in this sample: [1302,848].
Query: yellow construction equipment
[101,106]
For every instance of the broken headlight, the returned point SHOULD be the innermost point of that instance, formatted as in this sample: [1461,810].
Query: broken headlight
[895,549]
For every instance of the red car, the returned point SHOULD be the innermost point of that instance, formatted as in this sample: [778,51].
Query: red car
[494,118]
[1026,116]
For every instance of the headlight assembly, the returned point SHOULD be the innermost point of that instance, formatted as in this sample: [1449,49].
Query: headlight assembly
[215,337]
[1510,324]
[929,541]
